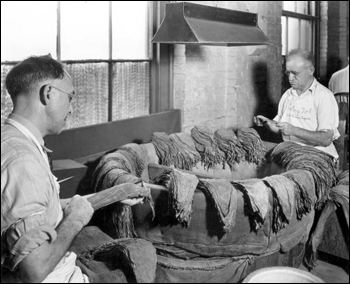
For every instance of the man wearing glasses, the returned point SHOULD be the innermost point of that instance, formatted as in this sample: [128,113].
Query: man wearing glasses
[307,112]
[37,227]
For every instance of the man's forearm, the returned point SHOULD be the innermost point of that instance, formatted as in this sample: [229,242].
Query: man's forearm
[314,138]
[41,262]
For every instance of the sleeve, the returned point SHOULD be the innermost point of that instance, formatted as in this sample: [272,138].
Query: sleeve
[328,113]
[27,220]
[25,236]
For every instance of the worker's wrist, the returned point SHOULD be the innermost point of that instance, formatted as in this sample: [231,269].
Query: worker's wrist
[75,223]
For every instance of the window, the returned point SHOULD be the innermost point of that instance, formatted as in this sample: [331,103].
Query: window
[84,35]
[23,33]
[105,46]
[300,21]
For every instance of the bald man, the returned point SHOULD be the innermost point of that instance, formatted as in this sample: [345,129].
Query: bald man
[308,111]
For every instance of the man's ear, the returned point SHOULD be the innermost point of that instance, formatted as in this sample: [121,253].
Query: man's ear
[312,68]
[45,94]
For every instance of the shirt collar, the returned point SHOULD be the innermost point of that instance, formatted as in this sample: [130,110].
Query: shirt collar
[310,90]
[30,126]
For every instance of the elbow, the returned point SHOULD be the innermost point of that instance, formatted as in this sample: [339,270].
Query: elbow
[326,142]
[24,278]
[35,274]
[32,277]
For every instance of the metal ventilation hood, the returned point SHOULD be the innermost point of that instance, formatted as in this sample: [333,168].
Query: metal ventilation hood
[188,23]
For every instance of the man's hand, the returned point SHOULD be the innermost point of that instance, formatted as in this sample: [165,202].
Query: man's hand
[79,209]
[260,120]
[264,121]
[42,260]
[286,128]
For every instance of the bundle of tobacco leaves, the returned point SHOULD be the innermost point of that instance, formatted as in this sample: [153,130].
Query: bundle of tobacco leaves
[181,188]
[252,145]
[304,187]
[256,195]
[290,155]
[224,196]
[137,164]
[107,163]
[228,143]
[209,151]
[186,156]
[162,144]
[283,200]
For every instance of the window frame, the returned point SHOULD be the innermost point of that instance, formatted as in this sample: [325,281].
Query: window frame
[160,59]
[316,30]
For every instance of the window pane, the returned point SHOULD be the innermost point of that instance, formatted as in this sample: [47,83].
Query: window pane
[289,6]
[293,33]
[130,89]
[130,29]
[90,105]
[28,28]
[6,102]
[84,30]
[312,8]
[306,35]
[284,37]
[302,7]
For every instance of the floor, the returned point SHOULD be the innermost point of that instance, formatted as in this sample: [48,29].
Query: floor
[330,270]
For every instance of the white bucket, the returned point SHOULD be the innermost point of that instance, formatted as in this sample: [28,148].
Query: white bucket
[281,274]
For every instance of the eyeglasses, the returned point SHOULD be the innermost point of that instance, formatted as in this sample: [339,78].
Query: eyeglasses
[70,96]
[294,73]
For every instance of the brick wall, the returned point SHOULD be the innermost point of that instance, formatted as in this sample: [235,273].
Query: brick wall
[344,32]
[338,36]
[224,87]
[323,39]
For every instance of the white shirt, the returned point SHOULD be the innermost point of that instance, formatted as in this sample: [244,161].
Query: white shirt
[66,270]
[316,110]
[339,82]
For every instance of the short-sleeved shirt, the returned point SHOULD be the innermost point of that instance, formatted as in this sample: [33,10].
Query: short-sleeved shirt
[339,82]
[316,110]
[30,202]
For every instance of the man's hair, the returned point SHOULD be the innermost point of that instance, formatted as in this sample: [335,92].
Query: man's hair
[306,55]
[27,74]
